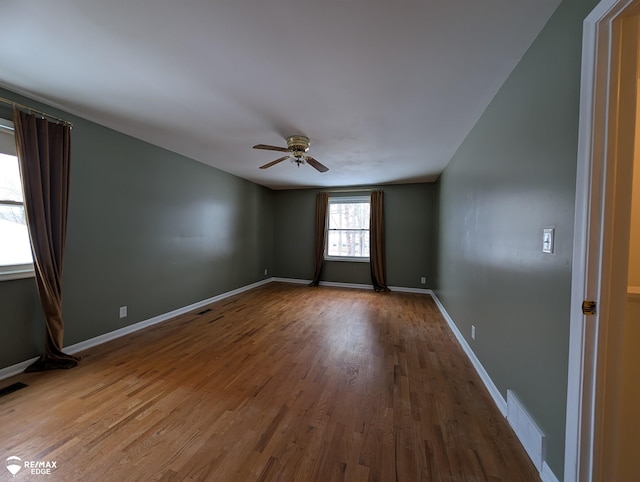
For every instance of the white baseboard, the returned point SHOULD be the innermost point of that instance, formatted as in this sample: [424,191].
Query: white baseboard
[546,474]
[292,280]
[15,369]
[499,400]
[402,289]
[98,340]
[324,283]
[337,284]
[112,335]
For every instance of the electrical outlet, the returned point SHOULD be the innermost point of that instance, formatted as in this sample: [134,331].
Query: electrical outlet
[423,280]
[265,271]
[473,332]
[123,312]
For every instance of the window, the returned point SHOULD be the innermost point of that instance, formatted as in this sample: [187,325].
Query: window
[16,260]
[348,229]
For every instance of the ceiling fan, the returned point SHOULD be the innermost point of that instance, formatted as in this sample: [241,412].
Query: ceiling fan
[296,147]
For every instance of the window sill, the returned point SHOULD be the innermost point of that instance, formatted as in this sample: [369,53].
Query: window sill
[346,258]
[10,273]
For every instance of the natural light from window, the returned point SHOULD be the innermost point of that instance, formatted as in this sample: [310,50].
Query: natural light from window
[15,248]
[348,228]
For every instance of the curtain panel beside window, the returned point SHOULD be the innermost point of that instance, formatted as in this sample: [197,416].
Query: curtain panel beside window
[44,152]
[322,203]
[377,257]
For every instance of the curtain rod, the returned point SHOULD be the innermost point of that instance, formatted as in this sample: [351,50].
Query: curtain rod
[36,111]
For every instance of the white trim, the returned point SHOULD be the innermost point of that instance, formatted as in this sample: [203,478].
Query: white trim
[547,474]
[576,360]
[355,259]
[16,369]
[112,335]
[337,284]
[292,280]
[6,125]
[633,293]
[402,289]
[98,340]
[353,199]
[497,397]
[10,274]
[592,142]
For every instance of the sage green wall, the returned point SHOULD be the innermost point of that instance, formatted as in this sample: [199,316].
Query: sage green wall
[409,221]
[147,228]
[513,175]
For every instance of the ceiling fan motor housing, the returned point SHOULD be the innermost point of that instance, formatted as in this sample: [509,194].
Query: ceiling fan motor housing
[298,145]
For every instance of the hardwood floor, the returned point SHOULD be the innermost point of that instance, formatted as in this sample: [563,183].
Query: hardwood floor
[281,383]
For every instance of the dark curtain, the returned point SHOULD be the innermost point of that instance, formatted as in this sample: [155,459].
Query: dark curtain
[322,202]
[376,244]
[44,151]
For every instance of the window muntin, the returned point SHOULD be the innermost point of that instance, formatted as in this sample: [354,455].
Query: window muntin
[16,260]
[348,229]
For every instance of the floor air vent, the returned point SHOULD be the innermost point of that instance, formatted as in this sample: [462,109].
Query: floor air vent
[204,311]
[11,388]
[531,437]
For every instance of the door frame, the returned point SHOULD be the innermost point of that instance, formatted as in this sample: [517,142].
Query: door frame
[592,337]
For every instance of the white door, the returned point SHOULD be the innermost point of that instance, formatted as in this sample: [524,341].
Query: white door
[603,403]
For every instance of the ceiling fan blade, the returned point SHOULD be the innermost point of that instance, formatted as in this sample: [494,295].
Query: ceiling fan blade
[316,164]
[273,163]
[270,148]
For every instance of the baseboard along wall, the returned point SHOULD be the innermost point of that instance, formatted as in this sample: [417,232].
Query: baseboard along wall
[112,335]
[545,471]
[530,436]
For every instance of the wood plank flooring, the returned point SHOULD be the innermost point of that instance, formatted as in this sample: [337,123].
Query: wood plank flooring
[280,383]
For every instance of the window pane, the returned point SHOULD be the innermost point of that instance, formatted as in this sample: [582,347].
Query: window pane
[10,184]
[349,216]
[333,243]
[348,243]
[15,247]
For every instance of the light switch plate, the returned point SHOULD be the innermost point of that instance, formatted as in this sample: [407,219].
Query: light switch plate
[548,235]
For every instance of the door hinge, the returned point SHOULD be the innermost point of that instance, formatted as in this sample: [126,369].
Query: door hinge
[589,307]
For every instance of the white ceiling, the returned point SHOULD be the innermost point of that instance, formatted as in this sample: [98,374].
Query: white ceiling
[386,90]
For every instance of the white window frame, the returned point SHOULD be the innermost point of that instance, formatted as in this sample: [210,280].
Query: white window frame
[14,271]
[340,200]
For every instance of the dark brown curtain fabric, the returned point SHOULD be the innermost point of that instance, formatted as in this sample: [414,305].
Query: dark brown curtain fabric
[322,202]
[44,151]
[376,245]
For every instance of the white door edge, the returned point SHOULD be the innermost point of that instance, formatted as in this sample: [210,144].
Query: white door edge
[592,148]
